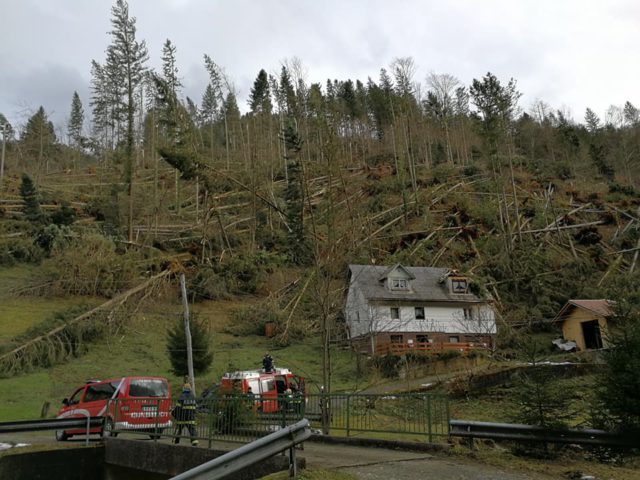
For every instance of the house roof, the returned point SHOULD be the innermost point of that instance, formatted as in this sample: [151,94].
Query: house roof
[427,284]
[599,307]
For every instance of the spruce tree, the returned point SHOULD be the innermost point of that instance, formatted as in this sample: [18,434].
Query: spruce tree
[294,198]
[76,121]
[38,138]
[260,97]
[30,199]
[129,56]
[177,348]
[591,120]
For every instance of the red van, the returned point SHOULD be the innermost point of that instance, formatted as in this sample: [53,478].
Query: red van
[266,387]
[127,403]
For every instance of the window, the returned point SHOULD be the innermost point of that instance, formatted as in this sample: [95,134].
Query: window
[468,313]
[395,313]
[148,387]
[268,385]
[281,385]
[357,316]
[398,284]
[75,398]
[419,313]
[459,285]
[99,391]
[454,339]
[422,338]
[396,338]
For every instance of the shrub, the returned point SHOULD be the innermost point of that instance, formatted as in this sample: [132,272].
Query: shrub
[177,347]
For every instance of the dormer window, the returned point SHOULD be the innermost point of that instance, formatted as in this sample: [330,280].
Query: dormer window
[459,285]
[398,284]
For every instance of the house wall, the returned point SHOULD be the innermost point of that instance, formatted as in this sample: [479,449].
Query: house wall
[372,323]
[572,327]
[445,318]
[364,344]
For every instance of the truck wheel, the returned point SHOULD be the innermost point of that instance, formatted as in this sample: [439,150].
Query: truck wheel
[61,435]
[107,430]
[156,436]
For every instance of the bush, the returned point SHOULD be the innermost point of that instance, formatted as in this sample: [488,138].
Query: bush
[177,347]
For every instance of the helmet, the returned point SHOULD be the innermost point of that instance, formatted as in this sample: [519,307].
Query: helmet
[186,387]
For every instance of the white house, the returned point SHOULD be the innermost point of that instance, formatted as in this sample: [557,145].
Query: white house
[392,310]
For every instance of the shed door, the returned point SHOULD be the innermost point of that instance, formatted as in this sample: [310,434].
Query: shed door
[591,334]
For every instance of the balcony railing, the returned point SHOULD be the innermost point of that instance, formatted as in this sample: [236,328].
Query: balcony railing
[425,348]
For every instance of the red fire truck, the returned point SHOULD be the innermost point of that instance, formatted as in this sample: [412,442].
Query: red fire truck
[266,387]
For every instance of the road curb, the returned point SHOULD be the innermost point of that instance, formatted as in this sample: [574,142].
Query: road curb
[379,443]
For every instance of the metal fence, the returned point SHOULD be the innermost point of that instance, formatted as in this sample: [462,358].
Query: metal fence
[409,414]
[244,418]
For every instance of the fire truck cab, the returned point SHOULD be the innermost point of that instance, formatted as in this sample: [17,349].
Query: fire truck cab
[266,387]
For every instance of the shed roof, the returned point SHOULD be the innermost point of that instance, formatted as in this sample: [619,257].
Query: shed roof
[601,307]
[427,285]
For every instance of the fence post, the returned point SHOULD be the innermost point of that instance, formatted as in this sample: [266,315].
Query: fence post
[210,417]
[348,413]
[429,419]
[86,440]
[155,437]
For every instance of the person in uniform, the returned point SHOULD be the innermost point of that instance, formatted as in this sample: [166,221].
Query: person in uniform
[185,415]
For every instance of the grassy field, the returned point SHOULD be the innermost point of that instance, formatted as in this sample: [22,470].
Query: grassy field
[139,349]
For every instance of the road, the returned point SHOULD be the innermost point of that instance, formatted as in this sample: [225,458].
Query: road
[364,462]
[383,464]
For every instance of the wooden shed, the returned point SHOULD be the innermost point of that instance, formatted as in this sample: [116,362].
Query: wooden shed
[585,323]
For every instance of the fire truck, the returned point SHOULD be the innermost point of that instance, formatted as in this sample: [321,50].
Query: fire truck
[270,389]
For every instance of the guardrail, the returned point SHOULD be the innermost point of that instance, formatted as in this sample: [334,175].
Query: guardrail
[52,424]
[285,439]
[532,433]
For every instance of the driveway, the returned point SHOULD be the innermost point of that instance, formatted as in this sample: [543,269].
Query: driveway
[382,464]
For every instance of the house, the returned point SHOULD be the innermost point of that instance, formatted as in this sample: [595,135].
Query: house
[423,309]
[585,322]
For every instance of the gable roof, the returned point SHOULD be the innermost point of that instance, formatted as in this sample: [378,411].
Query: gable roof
[426,285]
[397,266]
[599,307]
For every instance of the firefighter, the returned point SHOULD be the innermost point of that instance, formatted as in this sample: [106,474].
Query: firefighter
[267,363]
[185,414]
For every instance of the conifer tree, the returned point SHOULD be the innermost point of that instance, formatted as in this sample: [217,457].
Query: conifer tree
[76,122]
[177,350]
[38,138]
[591,120]
[294,197]
[260,97]
[30,198]
[129,55]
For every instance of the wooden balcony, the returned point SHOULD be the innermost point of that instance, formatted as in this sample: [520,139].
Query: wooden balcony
[427,348]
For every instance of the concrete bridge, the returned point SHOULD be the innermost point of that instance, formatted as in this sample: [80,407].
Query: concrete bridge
[126,458]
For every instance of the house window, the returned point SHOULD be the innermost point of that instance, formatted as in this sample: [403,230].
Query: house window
[395,313]
[419,313]
[357,316]
[398,284]
[454,339]
[422,338]
[397,338]
[468,313]
[459,285]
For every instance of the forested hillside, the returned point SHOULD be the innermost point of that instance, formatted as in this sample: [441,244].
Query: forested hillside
[274,199]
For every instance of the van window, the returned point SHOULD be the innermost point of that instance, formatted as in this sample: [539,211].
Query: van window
[99,391]
[254,385]
[281,385]
[293,384]
[75,398]
[148,387]
[268,385]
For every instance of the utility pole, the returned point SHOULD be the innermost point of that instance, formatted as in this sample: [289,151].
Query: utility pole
[4,142]
[187,334]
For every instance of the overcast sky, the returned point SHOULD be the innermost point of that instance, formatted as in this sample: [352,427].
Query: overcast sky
[570,53]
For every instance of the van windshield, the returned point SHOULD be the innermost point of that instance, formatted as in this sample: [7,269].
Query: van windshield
[148,387]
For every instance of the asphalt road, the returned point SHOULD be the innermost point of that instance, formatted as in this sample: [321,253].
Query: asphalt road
[364,462]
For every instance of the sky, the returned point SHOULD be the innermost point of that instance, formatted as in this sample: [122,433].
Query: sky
[572,54]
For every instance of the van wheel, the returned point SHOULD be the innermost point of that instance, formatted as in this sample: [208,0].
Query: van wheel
[61,435]
[107,430]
